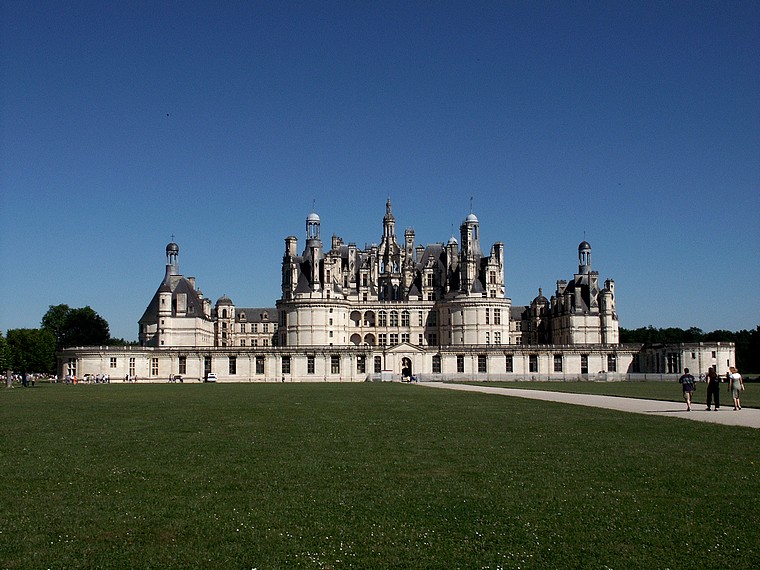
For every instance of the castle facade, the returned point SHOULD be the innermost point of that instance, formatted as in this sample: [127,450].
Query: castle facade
[396,309]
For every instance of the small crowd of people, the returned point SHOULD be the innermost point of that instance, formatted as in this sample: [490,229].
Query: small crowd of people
[87,379]
[735,387]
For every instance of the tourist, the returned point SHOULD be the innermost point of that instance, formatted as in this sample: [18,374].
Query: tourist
[713,388]
[736,385]
[688,386]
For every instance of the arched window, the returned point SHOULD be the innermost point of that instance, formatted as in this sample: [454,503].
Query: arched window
[405,318]
[382,319]
[394,318]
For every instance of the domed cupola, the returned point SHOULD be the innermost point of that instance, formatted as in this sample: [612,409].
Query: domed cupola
[312,226]
[540,300]
[224,300]
[584,257]
[172,260]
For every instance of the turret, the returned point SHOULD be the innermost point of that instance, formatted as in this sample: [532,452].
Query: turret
[172,261]
[470,253]
[584,258]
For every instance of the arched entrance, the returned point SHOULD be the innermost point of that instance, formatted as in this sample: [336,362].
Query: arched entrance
[406,369]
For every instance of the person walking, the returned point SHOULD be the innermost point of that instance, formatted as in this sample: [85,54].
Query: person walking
[736,386]
[688,386]
[713,388]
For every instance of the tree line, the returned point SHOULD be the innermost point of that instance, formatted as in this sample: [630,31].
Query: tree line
[33,350]
[747,341]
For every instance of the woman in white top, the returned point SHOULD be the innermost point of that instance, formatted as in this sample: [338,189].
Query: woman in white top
[737,385]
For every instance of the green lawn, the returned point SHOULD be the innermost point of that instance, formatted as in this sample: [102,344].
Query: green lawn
[668,391]
[364,476]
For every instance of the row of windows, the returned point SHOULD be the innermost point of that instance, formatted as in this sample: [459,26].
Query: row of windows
[361,364]
[254,327]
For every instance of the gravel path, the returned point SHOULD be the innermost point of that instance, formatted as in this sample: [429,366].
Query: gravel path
[747,417]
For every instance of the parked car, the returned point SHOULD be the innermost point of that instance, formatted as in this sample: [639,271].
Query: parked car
[210,377]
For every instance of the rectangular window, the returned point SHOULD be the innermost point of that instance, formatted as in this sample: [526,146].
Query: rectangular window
[497,338]
[361,364]
[482,363]
[154,366]
[310,364]
[488,338]
[232,366]
[510,364]
[405,337]
[584,363]
[436,364]
[131,366]
[497,316]
[259,365]
[254,328]
[254,342]
[242,342]
[286,365]
[394,339]
[558,363]
[378,364]
[488,317]
[420,339]
[460,363]
[382,339]
[419,314]
[242,327]
[113,362]
[266,327]
[183,364]
[611,363]
[71,368]
[335,364]
[433,318]
[533,363]
[432,339]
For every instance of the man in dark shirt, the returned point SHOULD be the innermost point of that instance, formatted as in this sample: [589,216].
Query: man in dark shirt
[688,386]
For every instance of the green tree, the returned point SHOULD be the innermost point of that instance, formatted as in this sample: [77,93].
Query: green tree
[31,350]
[4,361]
[84,327]
[55,321]
[76,327]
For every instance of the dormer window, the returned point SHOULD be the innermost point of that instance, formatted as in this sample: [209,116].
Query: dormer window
[242,316]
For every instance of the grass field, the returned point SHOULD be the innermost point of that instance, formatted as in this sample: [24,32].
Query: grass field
[364,476]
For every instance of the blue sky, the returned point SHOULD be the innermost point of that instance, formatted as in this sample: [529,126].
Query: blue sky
[633,125]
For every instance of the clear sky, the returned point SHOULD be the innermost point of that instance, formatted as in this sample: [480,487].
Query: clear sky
[634,125]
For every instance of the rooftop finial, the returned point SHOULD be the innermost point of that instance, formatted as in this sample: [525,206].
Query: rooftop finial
[172,237]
